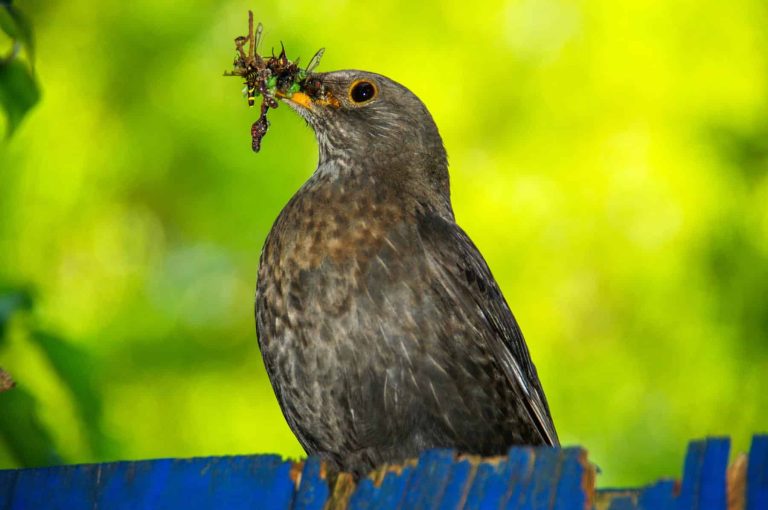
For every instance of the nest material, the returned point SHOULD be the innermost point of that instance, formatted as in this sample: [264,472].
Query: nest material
[269,78]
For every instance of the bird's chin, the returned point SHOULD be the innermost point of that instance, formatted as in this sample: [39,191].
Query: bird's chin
[298,108]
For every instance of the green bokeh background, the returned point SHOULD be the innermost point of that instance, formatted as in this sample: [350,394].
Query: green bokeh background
[608,158]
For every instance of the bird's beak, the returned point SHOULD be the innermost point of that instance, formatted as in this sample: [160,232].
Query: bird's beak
[299,98]
[304,100]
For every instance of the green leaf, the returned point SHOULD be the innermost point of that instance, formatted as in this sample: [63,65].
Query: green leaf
[74,367]
[7,23]
[18,92]
[23,433]
[15,24]
[12,301]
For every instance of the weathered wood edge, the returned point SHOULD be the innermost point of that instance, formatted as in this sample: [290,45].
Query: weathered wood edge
[527,478]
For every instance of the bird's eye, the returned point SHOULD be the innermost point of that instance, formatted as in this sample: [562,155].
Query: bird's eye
[362,91]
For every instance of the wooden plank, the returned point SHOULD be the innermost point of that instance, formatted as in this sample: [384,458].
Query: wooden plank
[604,498]
[659,496]
[546,471]
[527,479]
[521,462]
[364,496]
[757,474]
[313,489]
[429,480]
[736,482]
[622,503]
[694,458]
[224,482]
[343,487]
[7,487]
[488,486]
[391,491]
[220,482]
[126,485]
[460,476]
[388,495]
[703,486]
[713,491]
[68,487]
[577,479]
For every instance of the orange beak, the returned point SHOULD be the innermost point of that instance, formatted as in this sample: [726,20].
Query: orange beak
[301,98]
[307,102]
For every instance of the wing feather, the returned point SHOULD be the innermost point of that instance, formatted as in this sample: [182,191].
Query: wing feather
[458,264]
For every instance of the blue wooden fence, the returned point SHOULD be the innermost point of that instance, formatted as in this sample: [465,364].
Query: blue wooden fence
[527,478]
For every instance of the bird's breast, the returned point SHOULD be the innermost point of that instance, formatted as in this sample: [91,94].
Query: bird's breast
[333,223]
[320,255]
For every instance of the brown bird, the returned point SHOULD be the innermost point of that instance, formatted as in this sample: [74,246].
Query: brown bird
[382,329]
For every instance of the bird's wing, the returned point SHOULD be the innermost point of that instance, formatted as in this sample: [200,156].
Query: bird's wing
[461,269]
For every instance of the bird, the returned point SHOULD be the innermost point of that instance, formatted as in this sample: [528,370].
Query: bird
[382,330]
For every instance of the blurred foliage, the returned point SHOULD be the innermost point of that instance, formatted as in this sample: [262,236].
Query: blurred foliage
[18,90]
[27,439]
[609,159]
[21,429]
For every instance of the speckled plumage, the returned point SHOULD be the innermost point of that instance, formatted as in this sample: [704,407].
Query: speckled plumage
[382,329]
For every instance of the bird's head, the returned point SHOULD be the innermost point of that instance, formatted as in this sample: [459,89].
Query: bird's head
[366,118]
